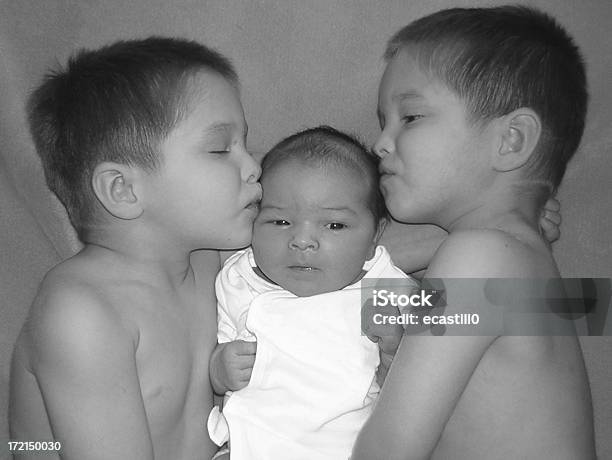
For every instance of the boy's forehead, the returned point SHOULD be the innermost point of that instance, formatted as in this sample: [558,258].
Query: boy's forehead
[405,80]
[210,95]
[403,77]
[206,86]
[204,78]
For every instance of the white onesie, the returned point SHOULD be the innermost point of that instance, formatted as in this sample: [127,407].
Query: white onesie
[313,382]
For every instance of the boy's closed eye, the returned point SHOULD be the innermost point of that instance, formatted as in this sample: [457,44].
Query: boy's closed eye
[220,150]
[407,119]
[219,143]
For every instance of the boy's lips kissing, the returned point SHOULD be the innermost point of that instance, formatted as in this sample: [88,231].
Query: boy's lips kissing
[253,206]
[384,171]
[254,203]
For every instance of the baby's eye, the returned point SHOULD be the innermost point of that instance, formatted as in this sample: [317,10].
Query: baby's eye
[280,222]
[335,226]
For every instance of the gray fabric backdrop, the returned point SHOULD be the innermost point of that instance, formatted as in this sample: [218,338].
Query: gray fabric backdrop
[302,63]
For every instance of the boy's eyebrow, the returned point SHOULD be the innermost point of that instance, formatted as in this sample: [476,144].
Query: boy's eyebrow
[399,97]
[223,127]
[218,127]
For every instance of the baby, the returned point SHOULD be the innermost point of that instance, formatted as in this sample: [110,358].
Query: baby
[297,292]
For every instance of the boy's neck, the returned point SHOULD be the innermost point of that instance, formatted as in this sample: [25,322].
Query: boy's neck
[148,258]
[501,204]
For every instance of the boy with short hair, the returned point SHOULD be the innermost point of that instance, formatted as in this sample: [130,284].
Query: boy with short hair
[480,110]
[297,292]
[144,143]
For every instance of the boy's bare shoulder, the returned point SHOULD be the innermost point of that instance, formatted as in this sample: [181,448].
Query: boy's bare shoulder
[492,253]
[79,278]
[71,313]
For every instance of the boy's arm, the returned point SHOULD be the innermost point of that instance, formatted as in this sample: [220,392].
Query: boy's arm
[429,373]
[84,360]
[413,246]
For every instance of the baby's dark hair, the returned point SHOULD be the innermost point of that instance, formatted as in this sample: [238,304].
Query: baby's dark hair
[501,59]
[116,103]
[323,147]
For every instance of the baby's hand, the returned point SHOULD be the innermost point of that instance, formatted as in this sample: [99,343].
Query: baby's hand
[231,365]
[387,346]
[550,220]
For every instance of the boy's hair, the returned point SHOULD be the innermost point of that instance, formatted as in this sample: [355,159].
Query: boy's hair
[117,103]
[501,59]
[325,146]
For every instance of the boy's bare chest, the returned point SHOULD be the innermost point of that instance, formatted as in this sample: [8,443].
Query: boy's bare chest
[520,385]
[175,339]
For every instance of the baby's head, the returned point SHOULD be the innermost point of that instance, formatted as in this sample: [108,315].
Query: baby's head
[322,212]
[117,105]
[498,61]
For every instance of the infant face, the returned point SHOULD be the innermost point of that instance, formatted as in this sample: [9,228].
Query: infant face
[314,231]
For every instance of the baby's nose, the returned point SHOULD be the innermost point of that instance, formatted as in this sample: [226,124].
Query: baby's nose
[304,242]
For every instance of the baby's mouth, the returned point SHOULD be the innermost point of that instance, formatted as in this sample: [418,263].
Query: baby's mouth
[302,268]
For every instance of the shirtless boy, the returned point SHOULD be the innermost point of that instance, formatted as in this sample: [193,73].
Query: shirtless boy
[144,143]
[480,110]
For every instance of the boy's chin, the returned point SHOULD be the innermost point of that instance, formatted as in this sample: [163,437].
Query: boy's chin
[408,216]
[236,243]
[400,213]
[229,243]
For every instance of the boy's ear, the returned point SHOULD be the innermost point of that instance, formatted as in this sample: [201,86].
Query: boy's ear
[520,133]
[114,186]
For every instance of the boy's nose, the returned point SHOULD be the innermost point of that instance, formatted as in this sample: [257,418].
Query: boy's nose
[384,145]
[251,169]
